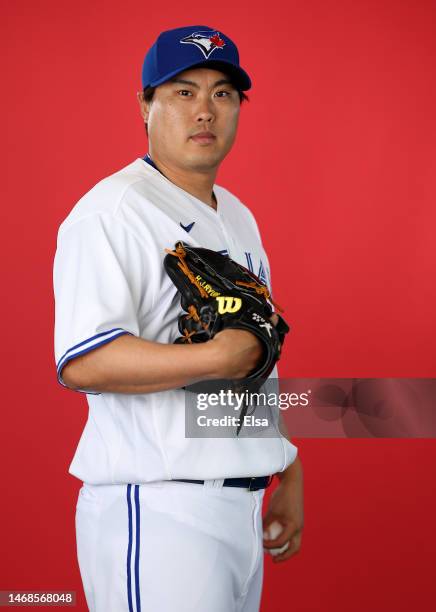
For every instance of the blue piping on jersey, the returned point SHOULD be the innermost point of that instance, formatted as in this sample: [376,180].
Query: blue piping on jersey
[71,353]
[148,159]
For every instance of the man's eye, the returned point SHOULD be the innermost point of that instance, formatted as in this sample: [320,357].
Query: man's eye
[223,91]
[182,92]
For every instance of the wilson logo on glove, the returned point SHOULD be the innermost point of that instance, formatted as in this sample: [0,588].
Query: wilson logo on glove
[228,304]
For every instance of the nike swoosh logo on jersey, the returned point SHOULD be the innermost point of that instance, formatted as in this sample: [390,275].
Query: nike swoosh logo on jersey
[187,228]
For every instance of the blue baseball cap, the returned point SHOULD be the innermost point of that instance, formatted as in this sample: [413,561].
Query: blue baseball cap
[192,47]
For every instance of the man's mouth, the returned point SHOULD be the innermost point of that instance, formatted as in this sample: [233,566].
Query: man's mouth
[204,137]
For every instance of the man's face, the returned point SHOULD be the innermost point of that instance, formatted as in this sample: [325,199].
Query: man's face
[193,102]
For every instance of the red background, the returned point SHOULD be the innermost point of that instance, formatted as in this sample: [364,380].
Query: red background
[336,158]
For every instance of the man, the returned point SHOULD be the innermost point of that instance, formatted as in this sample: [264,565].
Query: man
[147,538]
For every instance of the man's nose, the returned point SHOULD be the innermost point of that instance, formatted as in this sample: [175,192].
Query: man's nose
[205,111]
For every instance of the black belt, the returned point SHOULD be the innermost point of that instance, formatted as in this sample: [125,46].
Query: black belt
[252,484]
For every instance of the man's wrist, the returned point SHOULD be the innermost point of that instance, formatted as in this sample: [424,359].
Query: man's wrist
[209,361]
[292,474]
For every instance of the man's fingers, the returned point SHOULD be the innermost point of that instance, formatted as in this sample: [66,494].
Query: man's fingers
[294,547]
[277,551]
[276,534]
[274,318]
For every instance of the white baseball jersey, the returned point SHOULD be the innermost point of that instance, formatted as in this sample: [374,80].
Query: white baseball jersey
[109,280]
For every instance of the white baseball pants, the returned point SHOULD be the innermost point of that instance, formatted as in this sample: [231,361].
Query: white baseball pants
[170,547]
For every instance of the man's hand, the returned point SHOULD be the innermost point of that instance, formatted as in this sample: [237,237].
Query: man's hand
[285,509]
[238,351]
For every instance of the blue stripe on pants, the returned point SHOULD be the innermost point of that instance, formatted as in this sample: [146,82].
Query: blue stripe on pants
[138,534]
[129,550]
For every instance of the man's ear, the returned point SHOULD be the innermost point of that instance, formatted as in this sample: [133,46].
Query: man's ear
[144,106]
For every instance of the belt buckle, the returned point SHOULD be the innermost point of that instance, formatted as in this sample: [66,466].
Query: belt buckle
[251,488]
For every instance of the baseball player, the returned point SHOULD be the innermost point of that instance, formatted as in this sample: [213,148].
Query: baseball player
[165,522]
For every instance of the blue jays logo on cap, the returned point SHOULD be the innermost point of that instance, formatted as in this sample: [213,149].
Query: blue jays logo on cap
[206,41]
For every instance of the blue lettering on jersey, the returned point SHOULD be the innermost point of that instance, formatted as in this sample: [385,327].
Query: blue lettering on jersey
[249,262]
[261,273]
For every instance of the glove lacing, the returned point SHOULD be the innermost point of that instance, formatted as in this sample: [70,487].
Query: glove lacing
[181,254]
[259,288]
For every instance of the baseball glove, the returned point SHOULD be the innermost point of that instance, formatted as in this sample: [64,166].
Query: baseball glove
[218,293]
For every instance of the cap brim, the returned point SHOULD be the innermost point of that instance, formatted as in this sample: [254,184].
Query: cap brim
[239,76]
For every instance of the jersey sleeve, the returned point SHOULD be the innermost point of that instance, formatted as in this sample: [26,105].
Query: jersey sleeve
[98,277]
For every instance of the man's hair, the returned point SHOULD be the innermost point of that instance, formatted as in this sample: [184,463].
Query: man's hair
[149,93]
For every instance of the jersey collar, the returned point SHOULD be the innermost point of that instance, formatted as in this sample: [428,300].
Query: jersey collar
[148,159]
